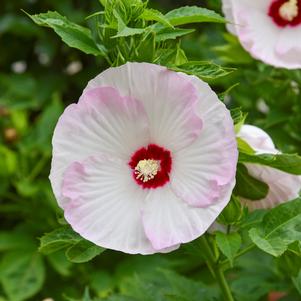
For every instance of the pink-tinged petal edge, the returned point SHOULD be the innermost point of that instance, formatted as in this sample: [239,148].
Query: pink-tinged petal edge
[105,205]
[168,98]
[201,170]
[103,123]
[168,220]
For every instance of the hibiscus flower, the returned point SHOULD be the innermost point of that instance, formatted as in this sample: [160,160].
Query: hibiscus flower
[146,159]
[269,29]
[282,186]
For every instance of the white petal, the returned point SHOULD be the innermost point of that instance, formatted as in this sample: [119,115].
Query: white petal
[105,205]
[282,186]
[167,97]
[257,33]
[201,170]
[289,45]
[168,220]
[105,123]
[260,5]
[258,139]
[227,9]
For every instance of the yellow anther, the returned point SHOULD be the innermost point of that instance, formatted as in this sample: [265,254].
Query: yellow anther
[289,10]
[147,169]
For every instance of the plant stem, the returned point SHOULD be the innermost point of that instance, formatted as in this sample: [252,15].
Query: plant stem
[215,269]
[220,277]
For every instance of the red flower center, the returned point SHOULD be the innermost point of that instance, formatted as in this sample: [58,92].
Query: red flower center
[151,166]
[286,12]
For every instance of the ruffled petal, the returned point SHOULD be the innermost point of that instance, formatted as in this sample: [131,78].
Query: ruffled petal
[202,169]
[168,220]
[104,205]
[167,96]
[103,123]
[282,186]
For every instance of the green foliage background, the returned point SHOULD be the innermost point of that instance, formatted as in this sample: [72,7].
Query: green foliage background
[31,101]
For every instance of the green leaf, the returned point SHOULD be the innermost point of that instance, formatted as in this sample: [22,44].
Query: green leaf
[21,274]
[183,288]
[297,282]
[150,14]
[15,240]
[238,118]
[171,34]
[244,147]
[229,244]
[60,263]
[8,162]
[72,34]
[49,117]
[103,2]
[20,120]
[83,251]
[289,263]
[19,25]
[119,298]
[180,57]
[290,163]
[123,30]
[273,246]
[102,283]
[240,123]
[58,239]
[145,52]
[165,285]
[193,14]
[249,187]
[280,227]
[252,286]
[127,31]
[232,52]
[252,219]
[41,135]
[85,297]
[202,69]
[26,188]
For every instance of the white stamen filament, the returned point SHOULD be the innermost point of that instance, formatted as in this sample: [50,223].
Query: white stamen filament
[289,10]
[147,169]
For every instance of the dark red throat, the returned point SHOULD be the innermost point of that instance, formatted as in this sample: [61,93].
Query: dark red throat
[154,152]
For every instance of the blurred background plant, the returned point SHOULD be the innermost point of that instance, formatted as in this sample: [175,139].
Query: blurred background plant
[39,77]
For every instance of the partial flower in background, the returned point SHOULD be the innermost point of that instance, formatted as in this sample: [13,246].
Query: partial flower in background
[282,186]
[145,160]
[269,29]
